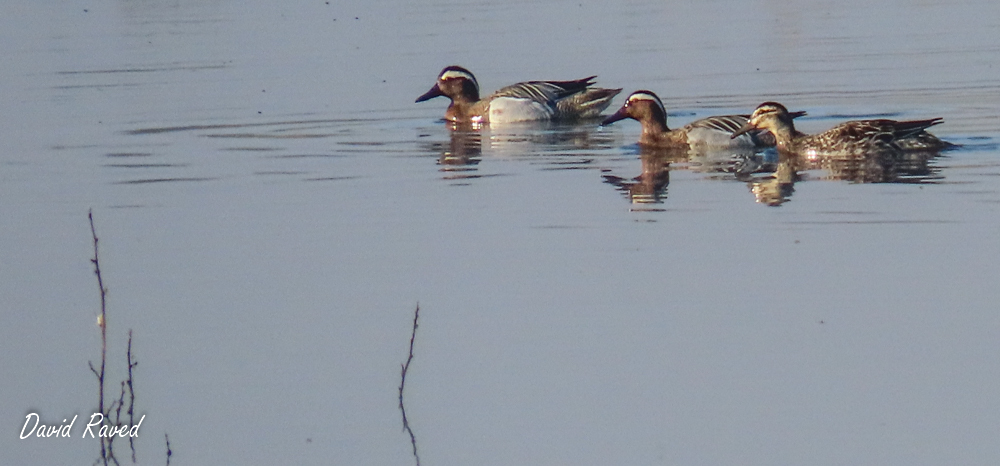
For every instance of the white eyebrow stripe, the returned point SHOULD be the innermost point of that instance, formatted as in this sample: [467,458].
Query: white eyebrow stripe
[645,96]
[452,74]
[455,74]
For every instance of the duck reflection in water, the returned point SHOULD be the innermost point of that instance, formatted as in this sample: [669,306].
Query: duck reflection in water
[650,187]
[463,150]
[550,143]
[777,186]
[901,167]
[544,139]
[465,147]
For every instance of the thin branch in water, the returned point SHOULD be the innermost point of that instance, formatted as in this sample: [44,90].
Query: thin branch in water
[102,321]
[402,383]
[131,393]
[167,437]
[117,407]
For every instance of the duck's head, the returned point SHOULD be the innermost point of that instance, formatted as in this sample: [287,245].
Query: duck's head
[769,116]
[643,106]
[455,83]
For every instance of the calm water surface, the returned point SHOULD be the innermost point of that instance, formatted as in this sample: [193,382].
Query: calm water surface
[272,206]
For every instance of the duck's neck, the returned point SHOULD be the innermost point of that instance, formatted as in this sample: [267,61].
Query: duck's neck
[461,110]
[653,130]
[785,136]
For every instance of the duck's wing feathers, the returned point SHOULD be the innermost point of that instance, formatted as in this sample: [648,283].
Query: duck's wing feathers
[880,130]
[586,104]
[544,91]
[859,132]
[855,138]
[905,129]
[729,123]
[725,123]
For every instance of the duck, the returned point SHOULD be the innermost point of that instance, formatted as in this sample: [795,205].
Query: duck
[525,101]
[714,132]
[855,138]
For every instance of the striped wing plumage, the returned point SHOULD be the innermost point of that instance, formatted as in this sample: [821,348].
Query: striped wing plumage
[562,99]
[725,123]
[544,91]
[729,124]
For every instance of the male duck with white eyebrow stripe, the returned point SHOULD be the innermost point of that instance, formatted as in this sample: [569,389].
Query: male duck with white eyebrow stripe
[713,132]
[527,101]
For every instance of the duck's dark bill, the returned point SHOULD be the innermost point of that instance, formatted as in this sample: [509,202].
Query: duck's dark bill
[619,115]
[434,92]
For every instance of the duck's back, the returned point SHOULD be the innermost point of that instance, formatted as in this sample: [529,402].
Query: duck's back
[861,137]
[543,91]
[851,138]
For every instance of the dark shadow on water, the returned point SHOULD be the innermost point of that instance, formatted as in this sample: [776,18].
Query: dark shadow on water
[166,180]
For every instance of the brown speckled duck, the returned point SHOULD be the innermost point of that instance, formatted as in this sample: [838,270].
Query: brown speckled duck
[849,139]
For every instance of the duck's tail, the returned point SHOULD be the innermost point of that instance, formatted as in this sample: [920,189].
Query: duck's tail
[588,103]
[911,136]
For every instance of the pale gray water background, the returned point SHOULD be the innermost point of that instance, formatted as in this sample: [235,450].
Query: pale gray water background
[271,208]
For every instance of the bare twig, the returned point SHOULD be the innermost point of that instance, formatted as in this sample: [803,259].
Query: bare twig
[117,407]
[167,437]
[103,322]
[402,383]
[107,446]
[131,393]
